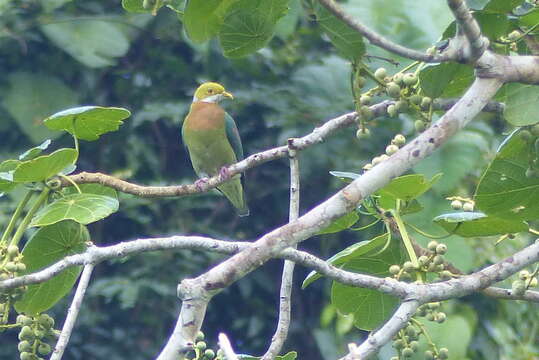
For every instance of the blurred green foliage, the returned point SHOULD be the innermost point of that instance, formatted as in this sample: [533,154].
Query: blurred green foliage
[61,53]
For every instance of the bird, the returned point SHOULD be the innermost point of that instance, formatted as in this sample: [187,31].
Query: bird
[213,141]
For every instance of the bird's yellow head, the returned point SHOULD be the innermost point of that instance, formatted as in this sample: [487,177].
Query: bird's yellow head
[211,92]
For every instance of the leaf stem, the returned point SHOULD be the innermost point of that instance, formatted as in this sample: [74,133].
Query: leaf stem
[406,239]
[15,217]
[425,234]
[26,220]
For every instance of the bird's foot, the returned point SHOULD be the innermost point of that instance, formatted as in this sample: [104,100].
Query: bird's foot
[200,183]
[224,173]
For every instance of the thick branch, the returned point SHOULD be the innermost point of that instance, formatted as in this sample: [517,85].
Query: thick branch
[377,39]
[469,28]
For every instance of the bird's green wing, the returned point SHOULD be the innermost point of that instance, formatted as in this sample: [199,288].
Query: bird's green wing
[233,136]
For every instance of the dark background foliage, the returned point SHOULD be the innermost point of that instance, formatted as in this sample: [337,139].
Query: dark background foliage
[148,65]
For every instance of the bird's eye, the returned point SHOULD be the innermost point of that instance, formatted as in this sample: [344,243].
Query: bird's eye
[210,91]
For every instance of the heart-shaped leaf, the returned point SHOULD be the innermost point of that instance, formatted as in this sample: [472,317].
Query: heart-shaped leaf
[88,122]
[472,224]
[44,167]
[409,187]
[47,246]
[82,208]
[203,18]
[249,25]
[504,190]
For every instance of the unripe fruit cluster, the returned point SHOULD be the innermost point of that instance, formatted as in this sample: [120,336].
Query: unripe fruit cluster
[11,265]
[33,336]
[458,203]
[398,141]
[432,261]
[202,352]
[525,281]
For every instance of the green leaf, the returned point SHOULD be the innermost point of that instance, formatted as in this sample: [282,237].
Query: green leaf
[82,208]
[345,176]
[31,97]
[35,151]
[94,43]
[6,175]
[249,25]
[286,26]
[348,41]
[458,158]
[369,307]
[45,166]
[47,246]
[504,191]
[492,25]
[88,122]
[203,18]
[292,355]
[521,104]
[472,224]
[340,224]
[409,187]
[96,189]
[447,79]
[352,252]
[502,6]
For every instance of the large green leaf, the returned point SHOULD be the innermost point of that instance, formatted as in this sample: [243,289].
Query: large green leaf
[6,175]
[203,18]
[47,246]
[31,97]
[45,166]
[82,208]
[409,187]
[88,122]
[249,25]
[472,224]
[354,251]
[94,43]
[35,151]
[502,6]
[447,79]
[504,190]
[96,189]
[340,224]
[461,156]
[348,41]
[369,307]
[521,104]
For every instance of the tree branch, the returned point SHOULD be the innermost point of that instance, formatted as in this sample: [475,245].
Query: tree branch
[285,300]
[475,44]
[377,39]
[379,338]
[269,245]
[72,313]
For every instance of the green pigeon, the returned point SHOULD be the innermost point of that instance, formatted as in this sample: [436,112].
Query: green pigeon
[213,141]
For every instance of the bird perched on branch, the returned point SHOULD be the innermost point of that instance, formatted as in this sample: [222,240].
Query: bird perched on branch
[213,141]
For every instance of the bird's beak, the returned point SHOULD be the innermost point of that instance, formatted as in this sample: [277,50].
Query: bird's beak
[228,95]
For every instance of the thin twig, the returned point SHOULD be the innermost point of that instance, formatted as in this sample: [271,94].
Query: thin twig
[382,336]
[224,344]
[72,313]
[379,40]
[285,299]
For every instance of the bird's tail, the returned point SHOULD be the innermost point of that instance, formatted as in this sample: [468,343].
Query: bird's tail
[233,190]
